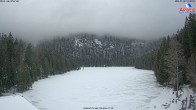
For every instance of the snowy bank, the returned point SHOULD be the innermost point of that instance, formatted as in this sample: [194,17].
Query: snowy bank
[15,102]
[167,99]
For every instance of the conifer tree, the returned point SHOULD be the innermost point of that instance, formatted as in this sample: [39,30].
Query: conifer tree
[159,65]
[174,60]
[191,70]
[23,78]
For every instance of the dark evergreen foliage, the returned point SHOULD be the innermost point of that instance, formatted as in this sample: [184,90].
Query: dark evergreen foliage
[21,64]
[159,65]
[93,50]
[146,61]
[186,67]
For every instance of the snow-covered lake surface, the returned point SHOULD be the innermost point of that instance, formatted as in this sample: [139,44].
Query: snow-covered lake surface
[110,88]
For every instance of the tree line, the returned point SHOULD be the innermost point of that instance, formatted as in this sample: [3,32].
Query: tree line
[87,49]
[174,63]
[21,64]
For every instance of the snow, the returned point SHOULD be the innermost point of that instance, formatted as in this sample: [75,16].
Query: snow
[111,46]
[116,88]
[15,102]
[97,42]
[168,97]
[78,43]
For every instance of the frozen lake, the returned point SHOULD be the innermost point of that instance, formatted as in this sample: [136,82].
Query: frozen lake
[110,88]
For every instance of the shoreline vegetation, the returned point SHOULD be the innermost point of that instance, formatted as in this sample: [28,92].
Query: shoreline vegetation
[21,64]
[174,63]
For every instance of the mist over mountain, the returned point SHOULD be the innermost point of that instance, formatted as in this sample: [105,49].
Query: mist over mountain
[34,20]
[93,50]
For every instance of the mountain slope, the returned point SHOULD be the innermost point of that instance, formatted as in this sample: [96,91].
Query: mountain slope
[94,50]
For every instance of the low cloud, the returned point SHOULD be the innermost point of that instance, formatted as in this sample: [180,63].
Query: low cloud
[143,19]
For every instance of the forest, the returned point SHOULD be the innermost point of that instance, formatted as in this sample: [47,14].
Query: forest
[21,64]
[174,63]
[89,50]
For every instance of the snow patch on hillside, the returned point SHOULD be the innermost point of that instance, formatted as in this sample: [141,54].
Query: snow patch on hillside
[78,43]
[98,42]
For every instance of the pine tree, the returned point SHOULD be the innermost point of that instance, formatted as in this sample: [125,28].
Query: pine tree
[29,60]
[186,45]
[191,69]
[159,65]
[23,78]
[192,32]
[1,64]
[174,60]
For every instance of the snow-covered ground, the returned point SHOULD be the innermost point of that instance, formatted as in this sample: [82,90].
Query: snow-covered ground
[110,88]
[15,102]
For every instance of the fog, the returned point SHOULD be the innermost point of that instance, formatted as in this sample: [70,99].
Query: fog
[144,19]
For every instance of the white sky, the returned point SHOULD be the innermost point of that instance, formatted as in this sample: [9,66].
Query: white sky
[37,19]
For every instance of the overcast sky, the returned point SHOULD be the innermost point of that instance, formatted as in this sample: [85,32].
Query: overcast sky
[37,19]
